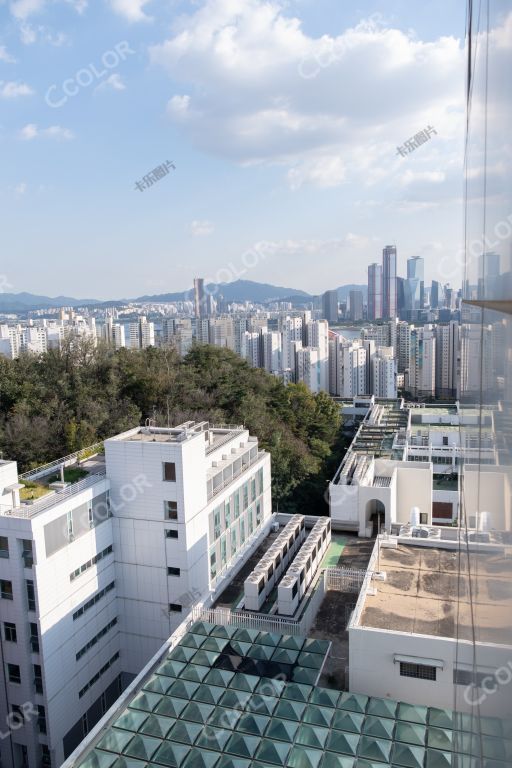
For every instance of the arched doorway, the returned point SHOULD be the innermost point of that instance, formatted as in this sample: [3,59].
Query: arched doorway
[375,513]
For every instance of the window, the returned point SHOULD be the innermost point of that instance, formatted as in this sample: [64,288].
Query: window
[253,489]
[41,718]
[34,638]
[5,589]
[14,673]
[294,589]
[173,571]
[96,638]
[423,518]
[45,756]
[93,600]
[236,499]
[467,677]
[90,563]
[38,678]
[19,715]
[419,671]
[445,440]
[26,553]
[4,546]
[246,495]
[31,595]
[170,471]
[175,608]
[171,510]
[171,534]
[10,632]
[98,674]
[213,565]
[233,542]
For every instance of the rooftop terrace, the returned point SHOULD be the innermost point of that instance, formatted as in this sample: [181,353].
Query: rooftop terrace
[423,593]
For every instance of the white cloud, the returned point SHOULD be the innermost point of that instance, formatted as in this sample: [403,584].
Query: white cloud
[22,9]
[31,131]
[28,34]
[112,83]
[12,89]
[131,10]
[20,189]
[201,228]
[257,89]
[5,55]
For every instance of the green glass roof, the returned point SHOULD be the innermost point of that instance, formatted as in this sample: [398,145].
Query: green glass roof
[190,712]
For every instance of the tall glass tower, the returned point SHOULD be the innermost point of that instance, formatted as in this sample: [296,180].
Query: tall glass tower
[389,297]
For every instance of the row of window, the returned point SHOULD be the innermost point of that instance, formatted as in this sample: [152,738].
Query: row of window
[232,540]
[97,676]
[96,638]
[90,563]
[6,592]
[229,510]
[93,600]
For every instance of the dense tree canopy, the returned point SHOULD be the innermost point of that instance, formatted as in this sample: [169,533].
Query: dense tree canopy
[54,404]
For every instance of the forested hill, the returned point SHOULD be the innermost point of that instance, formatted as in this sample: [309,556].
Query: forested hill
[54,404]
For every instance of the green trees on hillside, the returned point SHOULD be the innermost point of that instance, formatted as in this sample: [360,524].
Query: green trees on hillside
[65,400]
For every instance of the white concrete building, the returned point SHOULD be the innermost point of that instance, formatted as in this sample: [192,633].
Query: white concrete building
[308,367]
[422,362]
[271,351]
[95,575]
[250,348]
[317,336]
[411,636]
[383,373]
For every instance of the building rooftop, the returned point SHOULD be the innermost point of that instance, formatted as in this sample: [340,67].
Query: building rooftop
[215,436]
[226,697]
[424,593]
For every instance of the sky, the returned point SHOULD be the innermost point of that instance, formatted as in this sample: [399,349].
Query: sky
[282,121]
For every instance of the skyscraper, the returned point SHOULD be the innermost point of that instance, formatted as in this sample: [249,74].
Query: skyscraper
[389,297]
[415,285]
[330,306]
[199,302]
[374,292]
[356,305]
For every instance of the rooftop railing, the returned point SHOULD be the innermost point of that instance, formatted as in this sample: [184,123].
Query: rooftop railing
[29,510]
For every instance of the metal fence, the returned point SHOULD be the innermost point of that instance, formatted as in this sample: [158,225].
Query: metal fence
[344,579]
[65,461]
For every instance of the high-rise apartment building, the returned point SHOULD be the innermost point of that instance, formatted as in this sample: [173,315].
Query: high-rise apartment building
[383,373]
[389,286]
[355,300]
[330,306]
[447,359]
[422,362]
[374,292]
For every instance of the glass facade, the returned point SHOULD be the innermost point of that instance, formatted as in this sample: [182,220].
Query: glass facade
[483,687]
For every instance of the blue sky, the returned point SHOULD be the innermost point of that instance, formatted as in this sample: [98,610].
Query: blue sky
[283,121]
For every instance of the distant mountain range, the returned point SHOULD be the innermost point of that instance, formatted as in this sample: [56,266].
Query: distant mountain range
[239,290]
